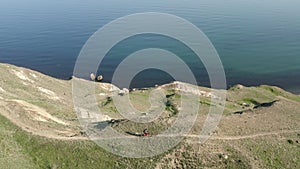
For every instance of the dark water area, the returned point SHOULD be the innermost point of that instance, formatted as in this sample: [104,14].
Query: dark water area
[258,41]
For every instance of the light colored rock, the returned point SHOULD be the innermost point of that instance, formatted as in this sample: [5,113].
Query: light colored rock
[92,76]
[99,78]
[123,92]
[126,90]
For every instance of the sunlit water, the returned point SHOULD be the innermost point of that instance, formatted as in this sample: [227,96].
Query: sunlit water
[258,41]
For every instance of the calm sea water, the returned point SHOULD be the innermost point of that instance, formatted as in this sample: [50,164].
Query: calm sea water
[258,41]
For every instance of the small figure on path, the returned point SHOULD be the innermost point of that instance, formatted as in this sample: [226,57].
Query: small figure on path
[145,132]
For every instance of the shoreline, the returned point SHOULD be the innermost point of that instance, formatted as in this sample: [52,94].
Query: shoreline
[149,86]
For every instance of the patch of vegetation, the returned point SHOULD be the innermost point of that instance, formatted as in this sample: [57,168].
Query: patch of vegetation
[272,90]
[279,92]
[107,106]
[108,101]
[235,88]
[11,155]
[250,101]
[171,107]
[250,95]
[208,103]
[171,93]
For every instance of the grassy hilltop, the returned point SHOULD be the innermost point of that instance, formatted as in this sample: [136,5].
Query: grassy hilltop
[39,129]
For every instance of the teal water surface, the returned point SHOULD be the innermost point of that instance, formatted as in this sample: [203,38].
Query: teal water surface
[258,41]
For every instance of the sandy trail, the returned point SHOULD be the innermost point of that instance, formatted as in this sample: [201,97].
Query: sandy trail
[42,115]
[247,136]
[194,136]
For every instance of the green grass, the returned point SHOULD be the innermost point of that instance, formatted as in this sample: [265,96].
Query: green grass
[279,92]
[46,153]
[250,101]
[11,153]
[107,101]
[171,107]
[205,102]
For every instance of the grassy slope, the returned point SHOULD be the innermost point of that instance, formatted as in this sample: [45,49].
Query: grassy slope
[275,152]
[19,149]
[11,152]
[28,151]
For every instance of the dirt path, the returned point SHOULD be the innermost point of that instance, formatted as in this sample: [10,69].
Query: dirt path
[246,136]
[66,134]
[194,136]
[42,115]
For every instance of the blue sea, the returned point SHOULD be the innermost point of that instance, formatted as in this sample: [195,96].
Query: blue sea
[258,41]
